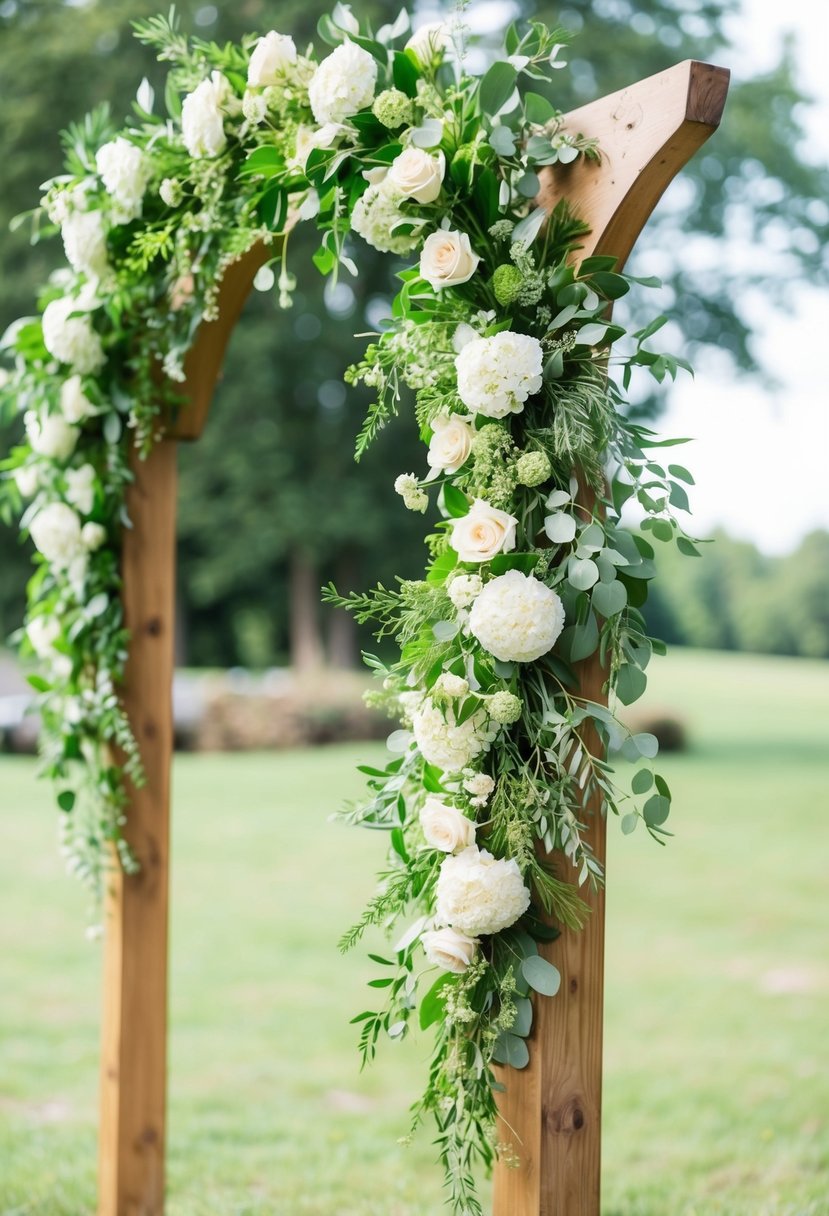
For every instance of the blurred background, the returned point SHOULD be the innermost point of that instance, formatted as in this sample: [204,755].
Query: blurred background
[717,1093]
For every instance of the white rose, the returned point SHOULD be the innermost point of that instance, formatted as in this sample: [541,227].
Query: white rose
[477,893]
[125,171]
[93,536]
[496,375]
[80,488]
[56,532]
[272,56]
[450,444]
[71,339]
[448,949]
[445,827]
[85,242]
[464,588]
[417,175]
[517,618]
[343,84]
[429,40]
[27,479]
[447,259]
[51,436]
[483,532]
[202,119]
[74,404]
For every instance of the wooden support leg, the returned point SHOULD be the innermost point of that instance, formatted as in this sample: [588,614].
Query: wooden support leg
[134,1049]
[550,1114]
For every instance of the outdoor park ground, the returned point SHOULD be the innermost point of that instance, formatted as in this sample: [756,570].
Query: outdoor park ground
[717,1019]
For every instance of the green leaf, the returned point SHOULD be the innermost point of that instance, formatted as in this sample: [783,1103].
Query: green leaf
[580,641]
[266,161]
[431,1007]
[541,975]
[656,810]
[582,573]
[687,547]
[630,683]
[497,86]
[629,823]
[646,745]
[560,528]
[66,800]
[404,74]
[441,567]
[38,683]
[538,109]
[642,781]
[609,598]
[502,140]
[511,1049]
[525,562]
[523,1017]
[679,471]
[455,501]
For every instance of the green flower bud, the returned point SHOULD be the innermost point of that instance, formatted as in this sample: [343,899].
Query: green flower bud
[504,707]
[507,283]
[393,109]
[532,468]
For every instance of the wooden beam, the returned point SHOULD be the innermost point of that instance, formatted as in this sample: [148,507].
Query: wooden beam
[134,1046]
[550,1112]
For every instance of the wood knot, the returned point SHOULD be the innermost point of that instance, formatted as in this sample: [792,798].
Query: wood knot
[150,729]
[148,1137]
[566,1119]
[154,627]
[574,984]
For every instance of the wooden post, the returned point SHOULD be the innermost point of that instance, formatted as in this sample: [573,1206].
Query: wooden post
[550,1113]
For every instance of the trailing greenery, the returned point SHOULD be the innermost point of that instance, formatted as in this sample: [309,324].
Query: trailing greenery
[501,329]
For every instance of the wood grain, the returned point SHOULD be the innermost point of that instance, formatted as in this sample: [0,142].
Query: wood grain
[550,1113]
[134,1035]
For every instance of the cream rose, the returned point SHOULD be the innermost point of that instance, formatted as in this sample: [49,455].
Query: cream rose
[202,118]
[448,949]
[56,532]
[417,175]
[450,444]
[51,436]
[482,533]
[74,404]
[447,259]
[445,827]
[272,56]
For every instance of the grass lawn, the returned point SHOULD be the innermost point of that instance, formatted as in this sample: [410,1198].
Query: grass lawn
[717,1069]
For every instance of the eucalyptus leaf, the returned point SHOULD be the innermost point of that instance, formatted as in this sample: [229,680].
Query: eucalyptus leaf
[541,975]
[560,528]
[497,86]
[582,573]
[609,598]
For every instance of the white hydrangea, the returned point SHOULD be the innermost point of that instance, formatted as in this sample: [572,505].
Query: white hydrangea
[56,532]
[414,499]
[516,617]
[74,403]
[496,375]
[50,436]
[71,339]
[254,107]
[464,589]
[93,536]
[27,479]
[449,685]
[170,192]
[444,742]
[479,786]
[343,84]
[202,118]
[272,57]
[480,894]
[125,171]
[43,632]
[80,488]
[374,217]
[85,242]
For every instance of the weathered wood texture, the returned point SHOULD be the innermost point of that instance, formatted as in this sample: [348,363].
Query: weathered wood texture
[551,1111]
[134,1047]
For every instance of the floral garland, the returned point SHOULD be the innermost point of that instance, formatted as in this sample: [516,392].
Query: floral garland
[503,336]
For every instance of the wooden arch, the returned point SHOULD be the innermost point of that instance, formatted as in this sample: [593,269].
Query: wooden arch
[551,1110]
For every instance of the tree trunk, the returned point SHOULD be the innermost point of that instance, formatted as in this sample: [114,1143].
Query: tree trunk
[342,628]
[306,641]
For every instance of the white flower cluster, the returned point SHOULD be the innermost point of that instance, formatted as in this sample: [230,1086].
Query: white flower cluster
[480,894]
[343,84]
[446,743]
[496,375]
[71,339]
[414,499]
[125,172]
[479,786]
[464,588]
[203,116]
[272,59]
[85,242]
[43,632]
[375,217]
[516,617]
